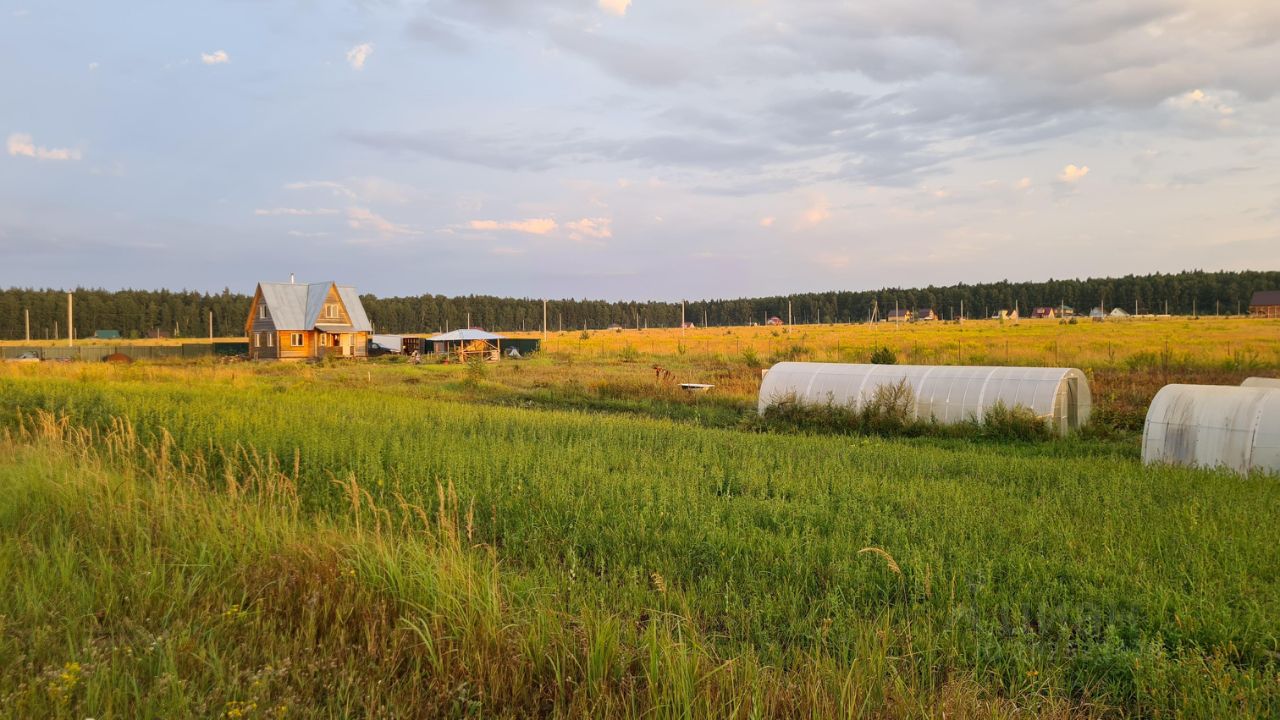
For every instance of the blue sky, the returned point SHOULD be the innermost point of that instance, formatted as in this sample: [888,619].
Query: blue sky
[642,149]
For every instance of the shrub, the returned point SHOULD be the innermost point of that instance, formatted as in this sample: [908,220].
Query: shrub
[883,356]
[890,410]
[584,335]
[628,353]
[477,370]
[751,358]
[1016,422]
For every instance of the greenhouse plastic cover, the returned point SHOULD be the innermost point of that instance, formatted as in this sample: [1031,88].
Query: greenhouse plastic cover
[1214,426]
[946,393]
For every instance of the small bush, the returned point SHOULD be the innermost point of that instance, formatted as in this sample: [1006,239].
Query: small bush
[628,353]
[883,356]
[584,335]
[477,371]
[751,358]
[1014,423]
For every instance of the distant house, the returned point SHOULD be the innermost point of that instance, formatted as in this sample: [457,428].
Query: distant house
[1117,313]
[899,316]
[306,321]
[1045,312]
[1006,315]
[1097,315]
[158,334]
[688,326]
[775,320]
[926,314]
[1265,304]
[106,334]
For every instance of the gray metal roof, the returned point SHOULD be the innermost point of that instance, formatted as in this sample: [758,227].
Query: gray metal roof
[468,334]
[1265,297]
[297,306]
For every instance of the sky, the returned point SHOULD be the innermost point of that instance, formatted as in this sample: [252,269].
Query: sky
[634,149]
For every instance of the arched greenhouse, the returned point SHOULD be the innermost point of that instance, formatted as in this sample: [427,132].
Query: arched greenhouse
[1214,426]
[1261,382]
[944,393]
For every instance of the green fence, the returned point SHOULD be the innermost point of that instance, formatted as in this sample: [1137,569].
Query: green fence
[95,353]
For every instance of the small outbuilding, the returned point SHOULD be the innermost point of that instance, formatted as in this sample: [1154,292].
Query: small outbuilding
[1214,426]
[943,393]
[106,334]
[1265,304]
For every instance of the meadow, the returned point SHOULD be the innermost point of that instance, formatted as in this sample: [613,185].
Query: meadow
[573,536]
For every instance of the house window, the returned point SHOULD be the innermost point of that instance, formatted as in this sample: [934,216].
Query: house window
[262,312]
[257,339]
[271,339]
[295,339]
[331,311]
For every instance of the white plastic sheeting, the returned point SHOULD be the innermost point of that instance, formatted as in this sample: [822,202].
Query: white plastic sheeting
[1214,426]
[945,393]
[1261,382]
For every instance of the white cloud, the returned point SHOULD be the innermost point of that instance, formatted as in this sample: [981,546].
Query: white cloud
[1073,174]
[357,55]
[818,213]
[767,221]
[21,145]
[1022,184]
[597,228]
[217,57]
[295,211]
[93,66]
[616,7]
[533,226]
[365,219]
[336,188]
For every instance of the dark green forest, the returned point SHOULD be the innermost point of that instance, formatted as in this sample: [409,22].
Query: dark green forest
[138,313]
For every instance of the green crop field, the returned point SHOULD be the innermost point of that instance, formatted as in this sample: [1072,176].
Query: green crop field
[561,537]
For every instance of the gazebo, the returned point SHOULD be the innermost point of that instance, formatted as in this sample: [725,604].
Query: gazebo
[469,344]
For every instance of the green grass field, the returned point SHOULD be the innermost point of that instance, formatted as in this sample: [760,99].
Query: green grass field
[553,539]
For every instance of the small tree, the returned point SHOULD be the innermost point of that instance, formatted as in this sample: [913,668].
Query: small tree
[883,356]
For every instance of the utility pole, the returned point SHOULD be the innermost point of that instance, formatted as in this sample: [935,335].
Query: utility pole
[704,317]
[210,324]
[681,318]
[71,333]
[544,321]
[897,315]
[789,319]
[27,314]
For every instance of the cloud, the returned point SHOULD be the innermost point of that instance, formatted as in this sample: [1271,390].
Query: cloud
[767,221]
[616,7]
[533,226]
[507,251]
[93,66]
[818,213]
[335,187]
[21,145]
[1022,184]
[357,55]
[217,57]
[294,211]
[365,219]
[597,228]
[1073,174]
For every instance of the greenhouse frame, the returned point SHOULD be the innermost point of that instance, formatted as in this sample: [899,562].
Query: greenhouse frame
[1214,426]
[942,393]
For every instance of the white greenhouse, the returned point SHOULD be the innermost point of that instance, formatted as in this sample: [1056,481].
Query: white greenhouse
[1261,382]
[1214,426]
[944,393]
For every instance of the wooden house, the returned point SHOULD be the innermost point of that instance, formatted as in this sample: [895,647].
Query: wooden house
[899,316]
[1265,304]
[1045,312]
[307,321]
[926,314]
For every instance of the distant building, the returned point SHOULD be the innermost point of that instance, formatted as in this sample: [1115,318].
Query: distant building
[1117,313]
[775,320]
[1265,304]
[926,314]
[1045,312]
[1006,315]
[158,334]
[899,316]
[1097,315]
[688,326]
[106,335]
[307,321]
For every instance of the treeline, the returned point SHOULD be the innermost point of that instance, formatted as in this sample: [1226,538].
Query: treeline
[139,313]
